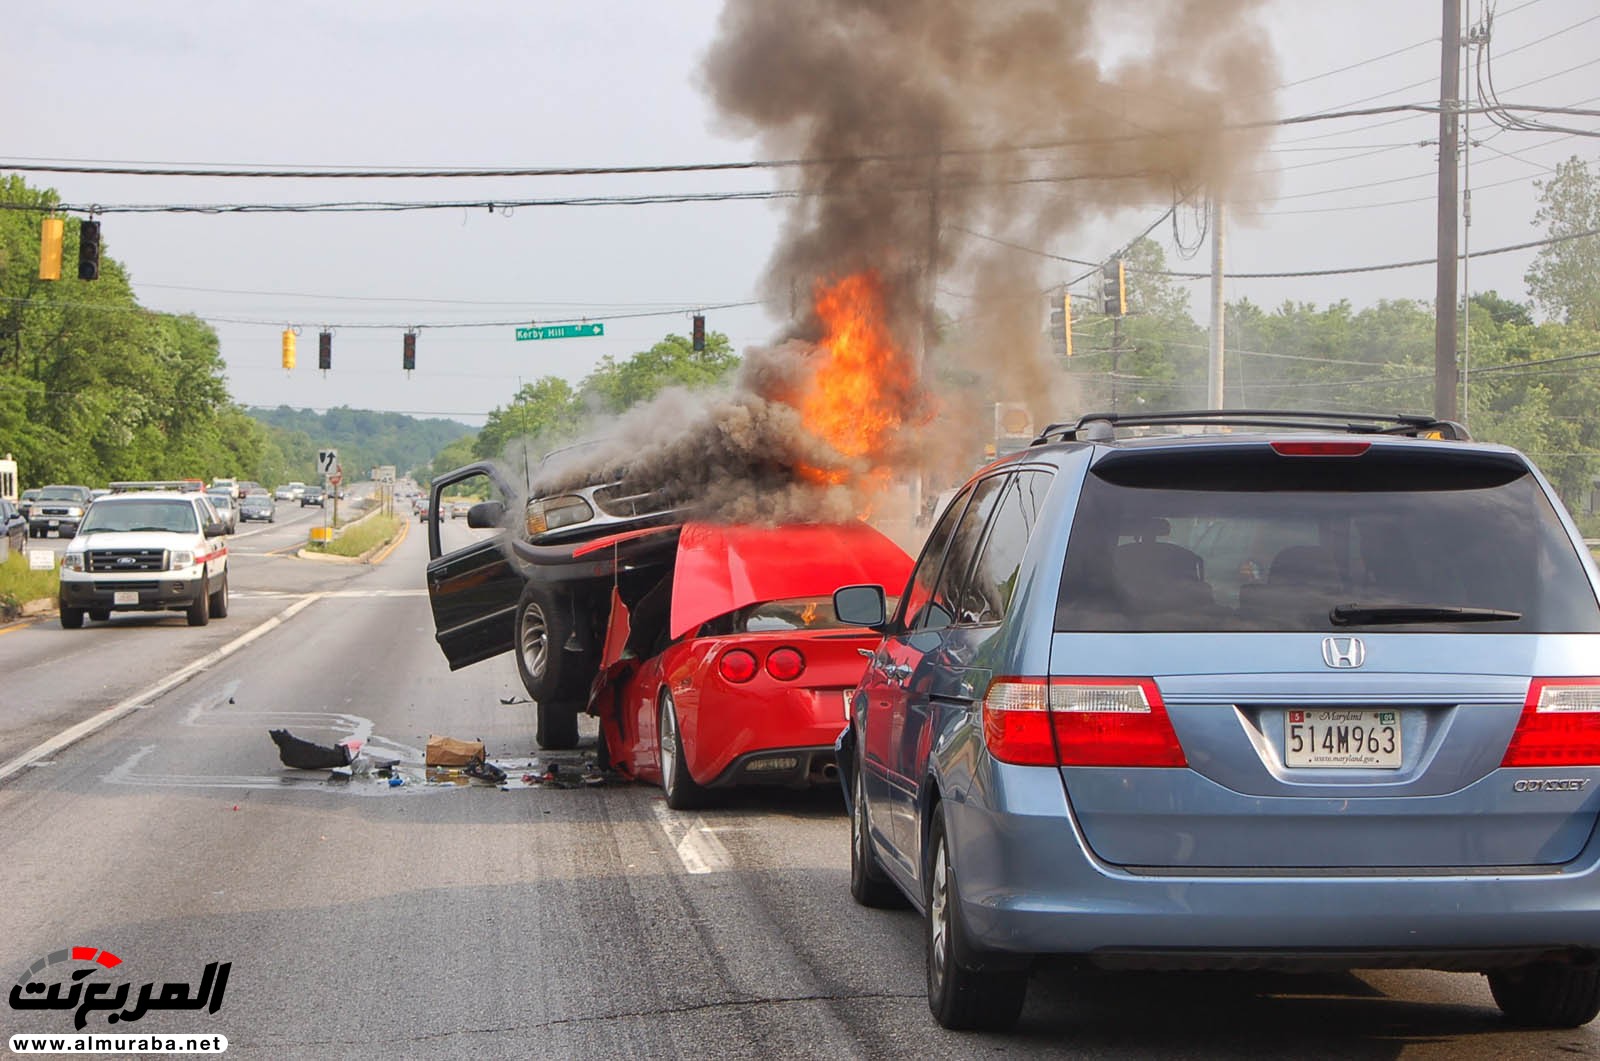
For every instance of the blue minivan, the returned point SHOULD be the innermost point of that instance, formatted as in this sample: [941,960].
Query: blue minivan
[1239,690]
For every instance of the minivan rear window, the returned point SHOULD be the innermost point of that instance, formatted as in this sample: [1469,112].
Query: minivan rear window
[1242,540]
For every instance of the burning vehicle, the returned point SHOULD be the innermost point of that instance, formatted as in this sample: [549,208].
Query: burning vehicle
[732,667]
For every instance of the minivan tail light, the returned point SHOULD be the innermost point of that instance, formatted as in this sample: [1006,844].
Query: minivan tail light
[1560,724]
[1080,722]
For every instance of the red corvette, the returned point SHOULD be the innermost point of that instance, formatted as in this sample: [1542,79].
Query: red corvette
[731,668]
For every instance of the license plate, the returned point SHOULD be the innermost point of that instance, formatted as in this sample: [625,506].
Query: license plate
[125,596]
[1342,738]
[55,523]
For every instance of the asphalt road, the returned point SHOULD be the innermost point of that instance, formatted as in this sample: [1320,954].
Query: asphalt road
[363,920]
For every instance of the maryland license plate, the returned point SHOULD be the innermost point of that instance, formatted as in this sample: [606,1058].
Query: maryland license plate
[1337,737]
[125,596]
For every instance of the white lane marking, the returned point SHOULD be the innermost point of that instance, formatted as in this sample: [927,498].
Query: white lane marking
[138,700]
[345,594]
[698,847]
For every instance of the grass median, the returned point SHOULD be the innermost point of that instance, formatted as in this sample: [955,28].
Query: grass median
[19,585]
[358,538]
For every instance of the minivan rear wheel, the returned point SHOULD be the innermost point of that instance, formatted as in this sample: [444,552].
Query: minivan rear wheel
[869,884]
[961,998]
[1547,995]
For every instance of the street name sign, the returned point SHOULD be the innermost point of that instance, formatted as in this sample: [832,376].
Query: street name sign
[561,331]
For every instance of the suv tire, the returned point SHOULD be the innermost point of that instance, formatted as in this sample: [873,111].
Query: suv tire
[961,998]
[199,612]
[71,618]
[543,627]
[1547,995]
[556,725]
[219,600]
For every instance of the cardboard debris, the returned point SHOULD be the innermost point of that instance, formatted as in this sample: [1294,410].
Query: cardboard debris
[448,751]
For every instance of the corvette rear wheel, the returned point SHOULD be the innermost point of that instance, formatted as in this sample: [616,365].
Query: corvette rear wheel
[682,791]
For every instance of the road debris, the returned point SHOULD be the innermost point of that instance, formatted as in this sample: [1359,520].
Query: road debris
[304,755]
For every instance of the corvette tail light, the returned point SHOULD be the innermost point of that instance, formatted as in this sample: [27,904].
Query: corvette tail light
[1560,724]
[1079,722]
[785,664]
[737,665]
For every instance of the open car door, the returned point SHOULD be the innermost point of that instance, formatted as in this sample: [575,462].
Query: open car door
[474,590]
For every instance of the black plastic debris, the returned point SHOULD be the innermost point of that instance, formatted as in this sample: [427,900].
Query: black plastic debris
[486,771]
[304,755]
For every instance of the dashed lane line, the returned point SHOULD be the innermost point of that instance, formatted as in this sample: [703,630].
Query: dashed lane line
[73,734]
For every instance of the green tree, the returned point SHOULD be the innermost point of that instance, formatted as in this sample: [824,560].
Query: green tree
[546,410]
[673,362]
[1564,279]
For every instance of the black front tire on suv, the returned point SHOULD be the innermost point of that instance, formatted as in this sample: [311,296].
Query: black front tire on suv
[553,676]
[71,618]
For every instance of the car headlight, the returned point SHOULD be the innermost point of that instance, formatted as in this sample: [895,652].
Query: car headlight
[553,513]
[74,512]
[72,560]
[178,559]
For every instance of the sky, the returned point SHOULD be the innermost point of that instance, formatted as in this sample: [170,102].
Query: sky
[377,83]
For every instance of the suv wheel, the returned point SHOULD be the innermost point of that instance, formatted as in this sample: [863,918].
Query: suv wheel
[219,600]
[71,618]
[961,998]
[200,611]
[1547,995]
[556,725]
[543,628]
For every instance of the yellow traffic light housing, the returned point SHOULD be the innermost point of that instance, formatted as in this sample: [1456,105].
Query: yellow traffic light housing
[288,349]
[51,232]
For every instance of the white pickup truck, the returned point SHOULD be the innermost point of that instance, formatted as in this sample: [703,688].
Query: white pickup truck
[146,551]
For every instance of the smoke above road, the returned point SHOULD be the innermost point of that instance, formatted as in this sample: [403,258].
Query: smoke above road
[928,134]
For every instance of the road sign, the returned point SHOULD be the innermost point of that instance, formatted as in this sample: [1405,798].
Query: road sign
[336,478]
[384,473]
[561,331]
[327,461]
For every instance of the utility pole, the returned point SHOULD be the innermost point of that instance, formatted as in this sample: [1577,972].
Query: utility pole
[1116,348]
[1218,308]
[1444,335]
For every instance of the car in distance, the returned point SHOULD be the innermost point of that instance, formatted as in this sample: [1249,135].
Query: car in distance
[1318,692]
[227,508]
[146,551]
[59,509]
[311,495]
[729,667]
[258,506]
[13,526]
[297,488]
[283,493]
[25,501]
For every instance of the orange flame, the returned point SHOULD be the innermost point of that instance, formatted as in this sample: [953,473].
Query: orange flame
[856,397]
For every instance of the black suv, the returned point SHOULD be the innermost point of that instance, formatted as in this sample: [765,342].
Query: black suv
[542,586]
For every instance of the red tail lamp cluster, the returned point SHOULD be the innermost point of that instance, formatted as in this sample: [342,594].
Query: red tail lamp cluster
[739,665]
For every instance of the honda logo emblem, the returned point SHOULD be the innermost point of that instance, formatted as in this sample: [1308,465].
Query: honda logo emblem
[1343,653]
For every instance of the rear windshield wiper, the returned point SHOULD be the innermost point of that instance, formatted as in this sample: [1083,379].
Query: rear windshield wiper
[1384,614]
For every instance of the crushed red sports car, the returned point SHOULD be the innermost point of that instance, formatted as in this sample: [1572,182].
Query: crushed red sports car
[732,669]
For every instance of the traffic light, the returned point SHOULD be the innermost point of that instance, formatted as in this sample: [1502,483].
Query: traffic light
[325,350]
[408,358]
[89,250]
[699,332]
[50,234]
[1061,325]
[288,349]
[1116,288]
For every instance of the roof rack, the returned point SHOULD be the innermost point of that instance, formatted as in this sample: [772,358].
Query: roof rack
[1100,427]
[188,486]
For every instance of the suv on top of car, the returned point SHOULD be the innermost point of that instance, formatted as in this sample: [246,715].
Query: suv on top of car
[59,509]
[146,551]
[1275,698]
[538,588]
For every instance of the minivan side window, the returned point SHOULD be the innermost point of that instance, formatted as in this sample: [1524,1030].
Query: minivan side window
[919,589]
[994,577]
[947,597]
